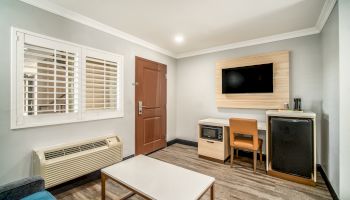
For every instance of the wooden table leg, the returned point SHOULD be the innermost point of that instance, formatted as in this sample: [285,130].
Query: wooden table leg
[212,192]
[103,186]
[128,195]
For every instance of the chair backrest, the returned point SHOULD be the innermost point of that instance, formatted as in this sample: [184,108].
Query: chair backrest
[244,127]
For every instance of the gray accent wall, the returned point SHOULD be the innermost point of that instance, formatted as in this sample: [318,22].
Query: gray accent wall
[344,99]
[330,97]
[195,84]
[16,146]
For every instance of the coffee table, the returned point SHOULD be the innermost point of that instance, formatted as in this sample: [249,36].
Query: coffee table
[155,179]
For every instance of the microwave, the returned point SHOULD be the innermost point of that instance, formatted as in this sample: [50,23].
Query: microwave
[211,132]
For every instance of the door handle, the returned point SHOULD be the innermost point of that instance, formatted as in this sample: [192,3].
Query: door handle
[140,107]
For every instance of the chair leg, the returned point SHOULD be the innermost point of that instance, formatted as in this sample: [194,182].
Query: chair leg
[232,154]
[236,153]
[254,161]
[260,154]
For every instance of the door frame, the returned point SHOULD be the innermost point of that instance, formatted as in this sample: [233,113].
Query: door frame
[136,102]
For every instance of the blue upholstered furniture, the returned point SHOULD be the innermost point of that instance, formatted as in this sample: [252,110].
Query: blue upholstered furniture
[32,188]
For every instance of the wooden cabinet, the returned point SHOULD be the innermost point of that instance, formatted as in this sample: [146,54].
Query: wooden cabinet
[213,149]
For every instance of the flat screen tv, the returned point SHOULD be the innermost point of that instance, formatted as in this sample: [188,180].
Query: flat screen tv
[248,79]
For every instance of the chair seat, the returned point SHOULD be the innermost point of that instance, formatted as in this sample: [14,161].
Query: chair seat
[43,195]
[245,143]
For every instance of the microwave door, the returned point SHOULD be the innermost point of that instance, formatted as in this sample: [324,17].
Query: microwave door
[212,134]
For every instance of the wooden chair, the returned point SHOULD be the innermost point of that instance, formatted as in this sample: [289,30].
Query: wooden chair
[245,127]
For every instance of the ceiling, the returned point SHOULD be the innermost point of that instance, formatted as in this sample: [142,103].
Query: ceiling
[203,23]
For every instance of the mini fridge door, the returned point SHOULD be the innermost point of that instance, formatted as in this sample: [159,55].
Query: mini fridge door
[292,146]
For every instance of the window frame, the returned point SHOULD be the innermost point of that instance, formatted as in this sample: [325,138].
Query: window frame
[99,54]
[18,120]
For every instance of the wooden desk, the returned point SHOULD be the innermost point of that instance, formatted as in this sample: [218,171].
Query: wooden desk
[217,150]
[226,123]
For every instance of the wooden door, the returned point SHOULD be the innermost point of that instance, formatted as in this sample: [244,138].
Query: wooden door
[150,106]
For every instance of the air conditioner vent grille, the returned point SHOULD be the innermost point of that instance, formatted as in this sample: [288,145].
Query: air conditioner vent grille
[86,147]
[71,150]
[66,162]
[100,143]
[75,149]
[54,154]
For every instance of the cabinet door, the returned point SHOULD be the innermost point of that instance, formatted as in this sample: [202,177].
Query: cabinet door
[211,148]
[292,146]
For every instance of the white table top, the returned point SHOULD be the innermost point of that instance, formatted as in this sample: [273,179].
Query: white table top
[225,122]
[159,180]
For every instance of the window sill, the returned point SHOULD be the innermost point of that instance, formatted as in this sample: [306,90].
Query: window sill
[15,126]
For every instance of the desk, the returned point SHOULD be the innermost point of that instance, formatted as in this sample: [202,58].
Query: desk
[217,150]
[225,122]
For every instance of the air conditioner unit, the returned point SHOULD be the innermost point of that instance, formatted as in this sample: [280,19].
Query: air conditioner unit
[62,163]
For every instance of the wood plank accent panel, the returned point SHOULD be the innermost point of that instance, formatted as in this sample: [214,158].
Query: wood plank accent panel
[273,100]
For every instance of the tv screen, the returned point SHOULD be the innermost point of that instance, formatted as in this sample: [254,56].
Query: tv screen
[248,79]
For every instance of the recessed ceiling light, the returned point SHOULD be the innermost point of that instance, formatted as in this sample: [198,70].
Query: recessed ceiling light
[179,39]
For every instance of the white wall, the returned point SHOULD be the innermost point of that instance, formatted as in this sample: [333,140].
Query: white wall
[16,145]
[344,97]
[330,96]
[195,83]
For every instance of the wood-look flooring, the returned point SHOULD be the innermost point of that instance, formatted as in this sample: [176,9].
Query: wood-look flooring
[238,182]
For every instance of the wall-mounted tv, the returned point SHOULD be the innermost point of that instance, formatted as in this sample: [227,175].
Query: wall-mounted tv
[248,79]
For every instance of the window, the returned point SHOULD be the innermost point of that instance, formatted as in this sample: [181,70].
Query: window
[50,80]
[102,83]
[57,82]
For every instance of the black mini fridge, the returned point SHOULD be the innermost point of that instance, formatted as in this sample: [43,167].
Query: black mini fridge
[292,146]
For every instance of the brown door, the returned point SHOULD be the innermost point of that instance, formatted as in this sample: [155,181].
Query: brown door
[150,106]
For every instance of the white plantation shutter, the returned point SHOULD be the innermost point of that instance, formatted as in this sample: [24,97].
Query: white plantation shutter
[50,80]
[101,84]
[55,82]
[47,81]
